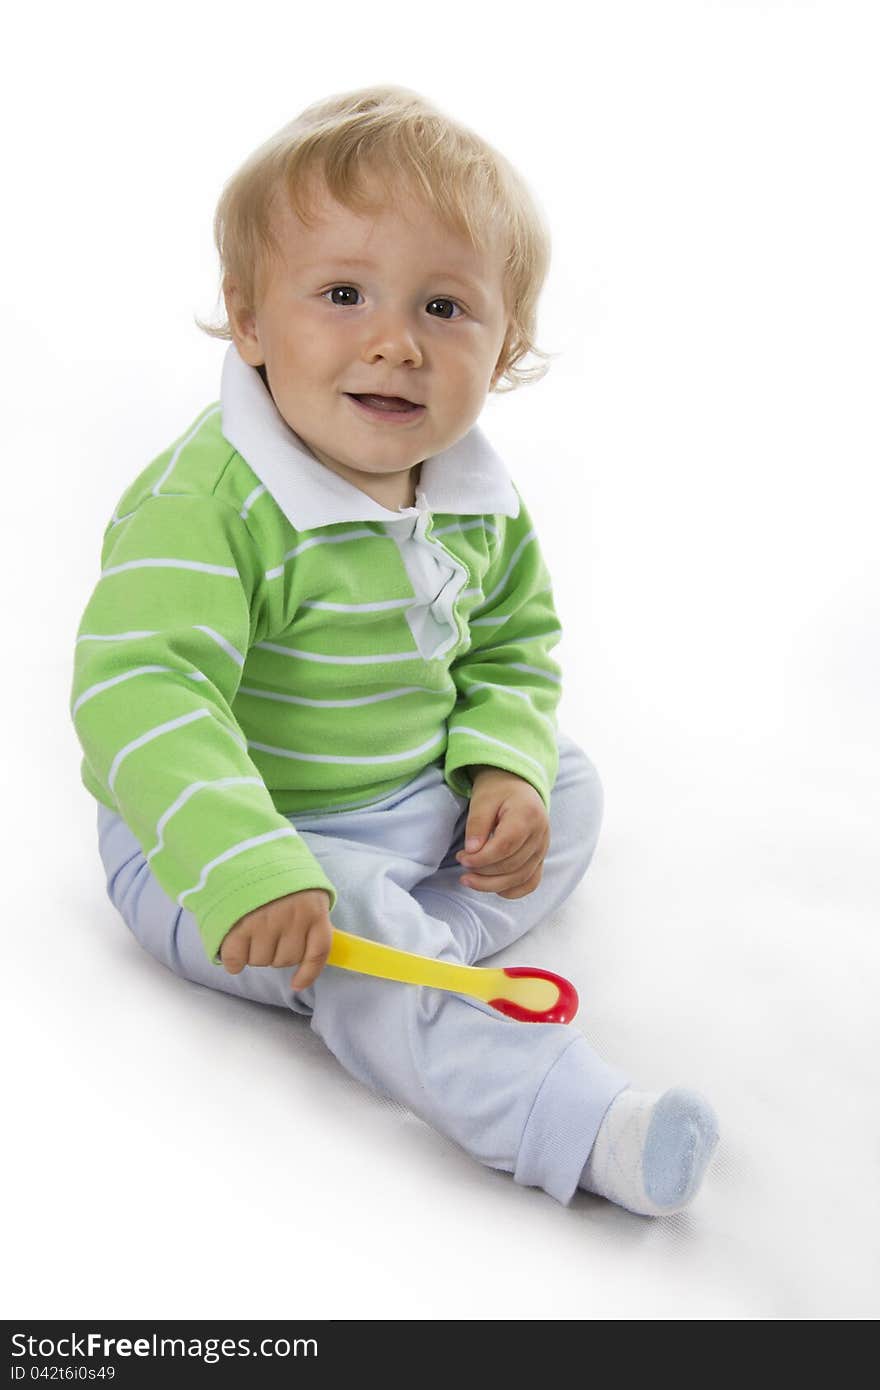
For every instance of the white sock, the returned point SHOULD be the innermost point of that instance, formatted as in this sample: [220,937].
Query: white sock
[652,1150]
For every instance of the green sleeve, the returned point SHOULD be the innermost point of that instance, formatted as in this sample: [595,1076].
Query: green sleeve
[508,684]
[159,657]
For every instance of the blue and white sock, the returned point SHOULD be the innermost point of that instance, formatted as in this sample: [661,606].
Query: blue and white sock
[652,1150]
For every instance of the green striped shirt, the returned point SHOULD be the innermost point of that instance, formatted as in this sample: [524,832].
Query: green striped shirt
[265,640]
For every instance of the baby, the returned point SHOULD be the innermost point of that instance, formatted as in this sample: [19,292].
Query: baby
[314,685]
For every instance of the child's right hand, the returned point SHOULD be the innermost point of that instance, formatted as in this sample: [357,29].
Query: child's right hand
[293,930]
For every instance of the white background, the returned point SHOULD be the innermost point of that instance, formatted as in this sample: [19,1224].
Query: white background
[701,462]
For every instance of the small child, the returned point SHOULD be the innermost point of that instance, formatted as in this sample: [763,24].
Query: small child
[315,678]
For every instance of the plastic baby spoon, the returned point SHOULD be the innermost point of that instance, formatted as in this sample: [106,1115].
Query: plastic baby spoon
[522,992]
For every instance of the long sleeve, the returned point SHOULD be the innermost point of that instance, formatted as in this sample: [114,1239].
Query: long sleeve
[508,684]
[159,657]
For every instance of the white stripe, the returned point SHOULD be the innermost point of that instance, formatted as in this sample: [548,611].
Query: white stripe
[513,559]
[251,499]
[490,622]
[508,690]
[513,641]
[534,671]
[350,761]
[113,636]
[323,540]
[377,607]
[149,735]
[236,737]
[222,642]
[339,660]
[457,526]
[498,743]
[214,410]
[115,680]
[228,571]
[335,704]
[125,636]
[190,791]
[117,521]
[231,853]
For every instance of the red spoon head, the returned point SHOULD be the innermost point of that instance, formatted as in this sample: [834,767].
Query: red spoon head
[563,1011]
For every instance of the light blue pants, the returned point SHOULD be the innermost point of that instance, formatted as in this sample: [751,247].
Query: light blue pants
[527,1098]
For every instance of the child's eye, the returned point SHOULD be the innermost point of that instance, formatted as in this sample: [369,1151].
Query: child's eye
[447,301]
[350,289]
[346,289]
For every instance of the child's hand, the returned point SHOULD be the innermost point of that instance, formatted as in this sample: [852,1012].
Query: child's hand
[511,811]
[293,930]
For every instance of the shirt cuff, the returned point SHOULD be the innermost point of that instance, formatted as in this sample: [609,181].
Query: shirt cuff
[269,883]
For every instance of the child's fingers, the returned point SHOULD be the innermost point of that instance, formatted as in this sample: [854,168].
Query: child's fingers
[489,882]
[264,944]
[501,845]
[308,969]
[315,953]
[505,852]
[234,950]
[505,863]
[482,824]
[525,888]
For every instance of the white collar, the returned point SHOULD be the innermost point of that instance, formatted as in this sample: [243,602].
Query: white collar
[468,478]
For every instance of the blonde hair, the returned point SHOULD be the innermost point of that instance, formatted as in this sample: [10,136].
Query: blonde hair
[394,134]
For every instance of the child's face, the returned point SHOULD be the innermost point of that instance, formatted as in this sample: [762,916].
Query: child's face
[424,319]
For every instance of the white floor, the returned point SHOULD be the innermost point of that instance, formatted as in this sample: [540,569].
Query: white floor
[701,465]
[180,1153]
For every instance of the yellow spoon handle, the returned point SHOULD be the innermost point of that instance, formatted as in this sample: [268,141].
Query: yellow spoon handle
[374,958]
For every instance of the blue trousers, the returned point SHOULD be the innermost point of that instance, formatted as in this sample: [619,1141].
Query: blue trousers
[527,1098]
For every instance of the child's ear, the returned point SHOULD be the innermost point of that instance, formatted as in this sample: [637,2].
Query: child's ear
[242,324]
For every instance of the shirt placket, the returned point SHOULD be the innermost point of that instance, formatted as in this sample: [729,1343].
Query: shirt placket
[437,578]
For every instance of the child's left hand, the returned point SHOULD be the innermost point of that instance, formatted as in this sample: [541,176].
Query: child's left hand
[509,820]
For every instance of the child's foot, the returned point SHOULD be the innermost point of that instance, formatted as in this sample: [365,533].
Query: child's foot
[651,1151]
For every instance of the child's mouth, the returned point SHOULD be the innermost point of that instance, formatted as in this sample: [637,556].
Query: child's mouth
[388,409]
